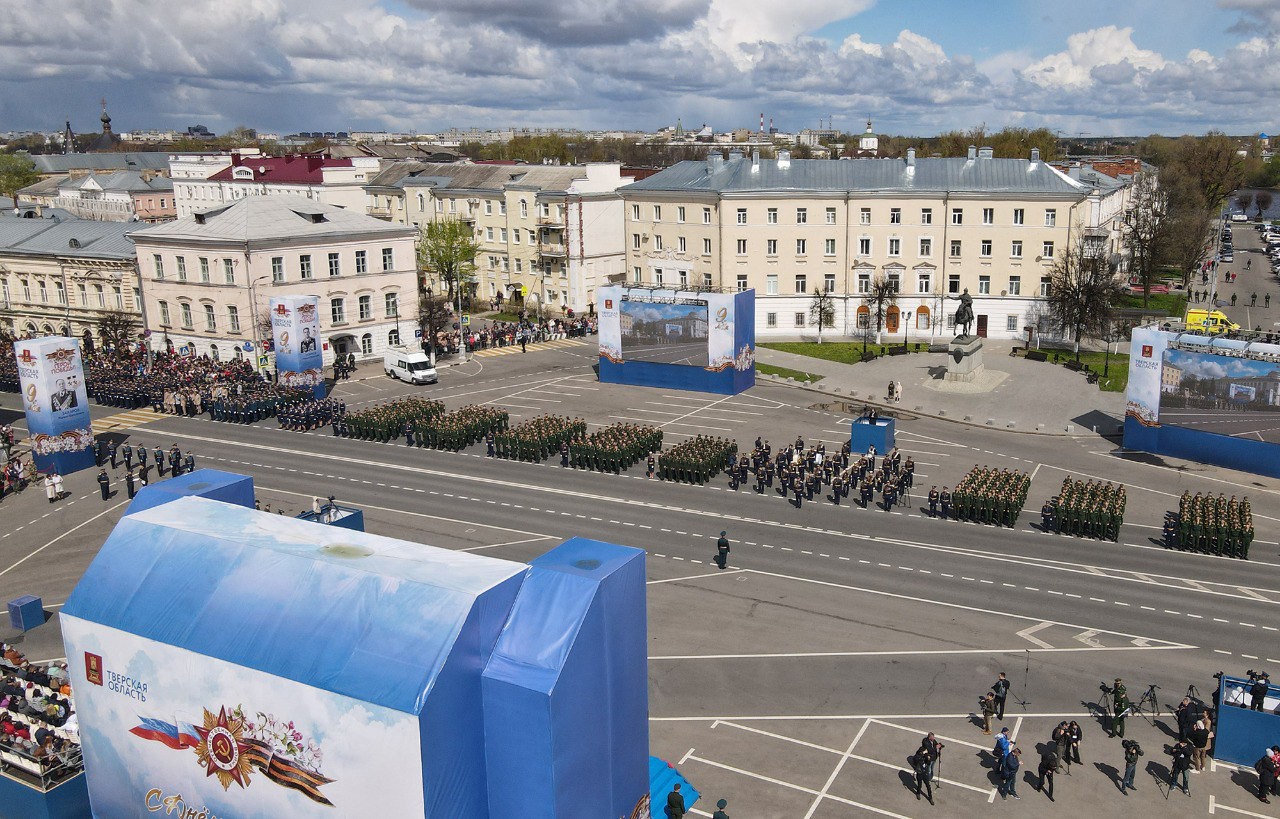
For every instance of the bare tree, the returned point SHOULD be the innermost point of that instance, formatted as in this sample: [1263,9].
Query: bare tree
[1082,288]
[1188,240]
[1214,162]
[822,310]
[882,295]
[117,329]
[1143,229]
[1244,200]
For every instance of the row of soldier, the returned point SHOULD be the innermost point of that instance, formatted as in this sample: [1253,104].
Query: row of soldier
[308,416]
[1086,509]
[613,448]
[990,496]
[535,439]
[384,422]
[461,428]
[1210,525]
[697,460]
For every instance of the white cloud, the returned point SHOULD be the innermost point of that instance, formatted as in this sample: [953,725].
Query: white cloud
[1099,48]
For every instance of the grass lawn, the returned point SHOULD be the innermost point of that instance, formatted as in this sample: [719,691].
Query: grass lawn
[1173,304]
[1118,377]
[845,352]
[787,372]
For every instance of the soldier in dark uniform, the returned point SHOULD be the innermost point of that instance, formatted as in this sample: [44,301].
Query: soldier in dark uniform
[159,461]
[490,448]
[104,484]
[944,500]
[189,463]
[797,486]
[129,484]
[564,453]
[650,465]
[128,456]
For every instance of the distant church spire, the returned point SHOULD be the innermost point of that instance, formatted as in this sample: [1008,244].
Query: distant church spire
[106,118]
[68,139]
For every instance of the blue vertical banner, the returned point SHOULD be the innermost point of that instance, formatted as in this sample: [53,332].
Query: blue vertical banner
[295,329]
[51,374]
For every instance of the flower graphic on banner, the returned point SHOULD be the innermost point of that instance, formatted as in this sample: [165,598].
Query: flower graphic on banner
[746,359]
[231,747]
[73,440]
[306,378]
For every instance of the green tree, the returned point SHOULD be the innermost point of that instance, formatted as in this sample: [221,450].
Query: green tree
[822,310]
[16,172]
[1082,288]
[1214,162]
[447,254]
[1187,240]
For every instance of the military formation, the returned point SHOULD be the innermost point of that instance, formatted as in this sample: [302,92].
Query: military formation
[462,428]
[1085,509]
[307,416]
[1209,525]
[698,459]
[613,448]
[989,496]
[537,438]
[384,422]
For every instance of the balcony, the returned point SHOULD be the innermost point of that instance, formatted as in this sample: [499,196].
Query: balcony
[556,251]
[550,221]
[379,212]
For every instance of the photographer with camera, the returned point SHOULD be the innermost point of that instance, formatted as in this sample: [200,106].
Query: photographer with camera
[987,705]
[1181,754]
[1258,690]
[1132,750]
[1048,765]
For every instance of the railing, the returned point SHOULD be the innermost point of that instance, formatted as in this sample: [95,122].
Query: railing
[551,250]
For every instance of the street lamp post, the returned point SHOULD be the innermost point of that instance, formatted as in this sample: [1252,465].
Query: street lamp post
[905,323]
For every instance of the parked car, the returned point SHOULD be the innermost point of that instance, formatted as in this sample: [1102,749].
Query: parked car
[1239,217]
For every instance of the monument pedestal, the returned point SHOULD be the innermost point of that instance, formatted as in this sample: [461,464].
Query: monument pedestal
[964,359]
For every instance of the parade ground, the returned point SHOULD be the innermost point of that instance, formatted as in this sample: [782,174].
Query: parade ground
[796,682]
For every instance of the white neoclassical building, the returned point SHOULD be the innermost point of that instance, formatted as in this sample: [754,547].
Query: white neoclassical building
[207,279]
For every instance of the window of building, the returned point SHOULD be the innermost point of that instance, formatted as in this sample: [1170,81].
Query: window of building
[657,241]
[84,293]
[706,216]
[488,234]
[393,338]
[742,282]
[802,247]
[864,282]
[680,213]
[829,247]
[802,283]
[515,235]
[864,246]
[953,283]
[636,275]
[926,216]
[422,203]
[388,258]
[635,241]
[502,207]
[802,216]
[44,291]
[1050,217]
[186,315]
[182,268]
[62,295]
[828,282]
[895,247]
[1011,324]
[988,216]
[99,296]
[957,216]
[771,284]
[164,313]
[680,244]
[706,279]
[984,248]
[684,278]
[502,235]
[742,216]
[1048,250]
[365,304]
[1044,287]
[453,205]
[1019,216]
[799,319]
[657,213]
[742,247]
[770,319]
[337,311]
[772,214]
[229,271]
[955,248]
[706,247]
[926,247]
[391,304]
[116,292]
[771,247]
[204,270]
[895,216]
[1015,249]
[657,275]
[894,280]
[864,216]
[635,211]
[519,266]
[831,216]
[366,344]
[524,209]
[924,282]
[157,262]
[233,318]
[984,285]
[210,318]
[362,261]
[304,266]
[1015,285]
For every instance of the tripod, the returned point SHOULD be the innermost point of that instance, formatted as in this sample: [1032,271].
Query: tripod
[1148,700]
[1193,692]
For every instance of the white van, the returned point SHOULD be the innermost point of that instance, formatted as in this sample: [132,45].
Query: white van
[413,366]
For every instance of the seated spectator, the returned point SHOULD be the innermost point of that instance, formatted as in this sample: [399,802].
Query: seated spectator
[57,671]
[42,734]
[13,657]
[37,675]
[11,687]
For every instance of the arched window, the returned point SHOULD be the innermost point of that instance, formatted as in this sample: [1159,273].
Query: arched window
[393,338]
[213,352]
[422,203]
[922,318]
[366,344]
[48,329]
[864,317]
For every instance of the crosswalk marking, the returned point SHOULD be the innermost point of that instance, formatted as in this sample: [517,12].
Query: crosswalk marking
[559,343]
[125,420]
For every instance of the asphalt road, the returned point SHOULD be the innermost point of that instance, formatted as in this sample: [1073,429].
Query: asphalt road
[1260,426]
[796,682]
[692,353]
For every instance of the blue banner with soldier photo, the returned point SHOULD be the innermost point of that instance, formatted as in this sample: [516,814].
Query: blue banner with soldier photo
[51,375]
[295,331]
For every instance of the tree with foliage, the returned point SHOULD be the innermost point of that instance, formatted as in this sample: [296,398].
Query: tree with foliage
[1214,162]
[16,172]
[882,295]
[822,310]
[433,314]
[1082,288]
[1143,230]
[1262,202]
[1189,221]
[1244,199]
[117,329]
[447,254]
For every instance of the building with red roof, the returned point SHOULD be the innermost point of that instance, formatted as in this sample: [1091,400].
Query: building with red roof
[325,179]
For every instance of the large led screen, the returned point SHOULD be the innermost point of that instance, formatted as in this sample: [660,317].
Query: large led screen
[1225,395]
[673,332]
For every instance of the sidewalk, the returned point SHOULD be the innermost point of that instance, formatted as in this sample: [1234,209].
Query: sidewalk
[1021,395]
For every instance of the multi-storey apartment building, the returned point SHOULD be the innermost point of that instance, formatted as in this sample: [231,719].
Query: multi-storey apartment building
[207,279]
[323,179]
[931,227]
[550,231]
[62,276]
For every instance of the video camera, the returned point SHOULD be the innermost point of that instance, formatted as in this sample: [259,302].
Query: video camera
[1130,743]
[1254,676]
[1104,688]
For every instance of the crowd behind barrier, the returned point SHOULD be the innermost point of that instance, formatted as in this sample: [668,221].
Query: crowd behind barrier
[39,732]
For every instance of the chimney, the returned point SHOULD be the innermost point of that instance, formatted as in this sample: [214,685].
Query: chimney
[1035,154]
[735,155]
[973,152]
[755,161]
[911,157]
[715,161]
[985,153]
[784,160]
[1074,171]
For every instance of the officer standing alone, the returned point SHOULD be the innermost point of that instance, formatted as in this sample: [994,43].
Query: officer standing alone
[722,550]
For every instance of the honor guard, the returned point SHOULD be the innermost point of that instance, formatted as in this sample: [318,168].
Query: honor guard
[933,501]
[944,501]
[650,465]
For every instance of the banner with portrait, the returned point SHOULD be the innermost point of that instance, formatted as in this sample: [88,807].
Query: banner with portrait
[51,377]
[295,332]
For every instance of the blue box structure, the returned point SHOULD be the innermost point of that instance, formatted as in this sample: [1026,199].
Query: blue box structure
[26,612]
[66,800]
[322,658]
[730,344]
[865,433]
[203,483]
[1241,734]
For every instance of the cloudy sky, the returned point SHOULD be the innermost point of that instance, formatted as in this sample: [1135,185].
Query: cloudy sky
[915,66]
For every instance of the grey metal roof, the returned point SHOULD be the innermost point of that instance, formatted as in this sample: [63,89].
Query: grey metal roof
[128,181]
[270,218]
[928,175]
[80,238]
[489,177]
[135,160]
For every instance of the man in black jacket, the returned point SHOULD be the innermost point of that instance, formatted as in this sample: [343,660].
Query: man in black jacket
[1001,689]
[675,803]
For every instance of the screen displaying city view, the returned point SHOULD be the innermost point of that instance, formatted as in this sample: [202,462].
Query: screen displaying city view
[1239,397]
[672,332]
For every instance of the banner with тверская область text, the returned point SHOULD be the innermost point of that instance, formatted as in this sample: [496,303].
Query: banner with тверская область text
[295,329]
[51,377]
